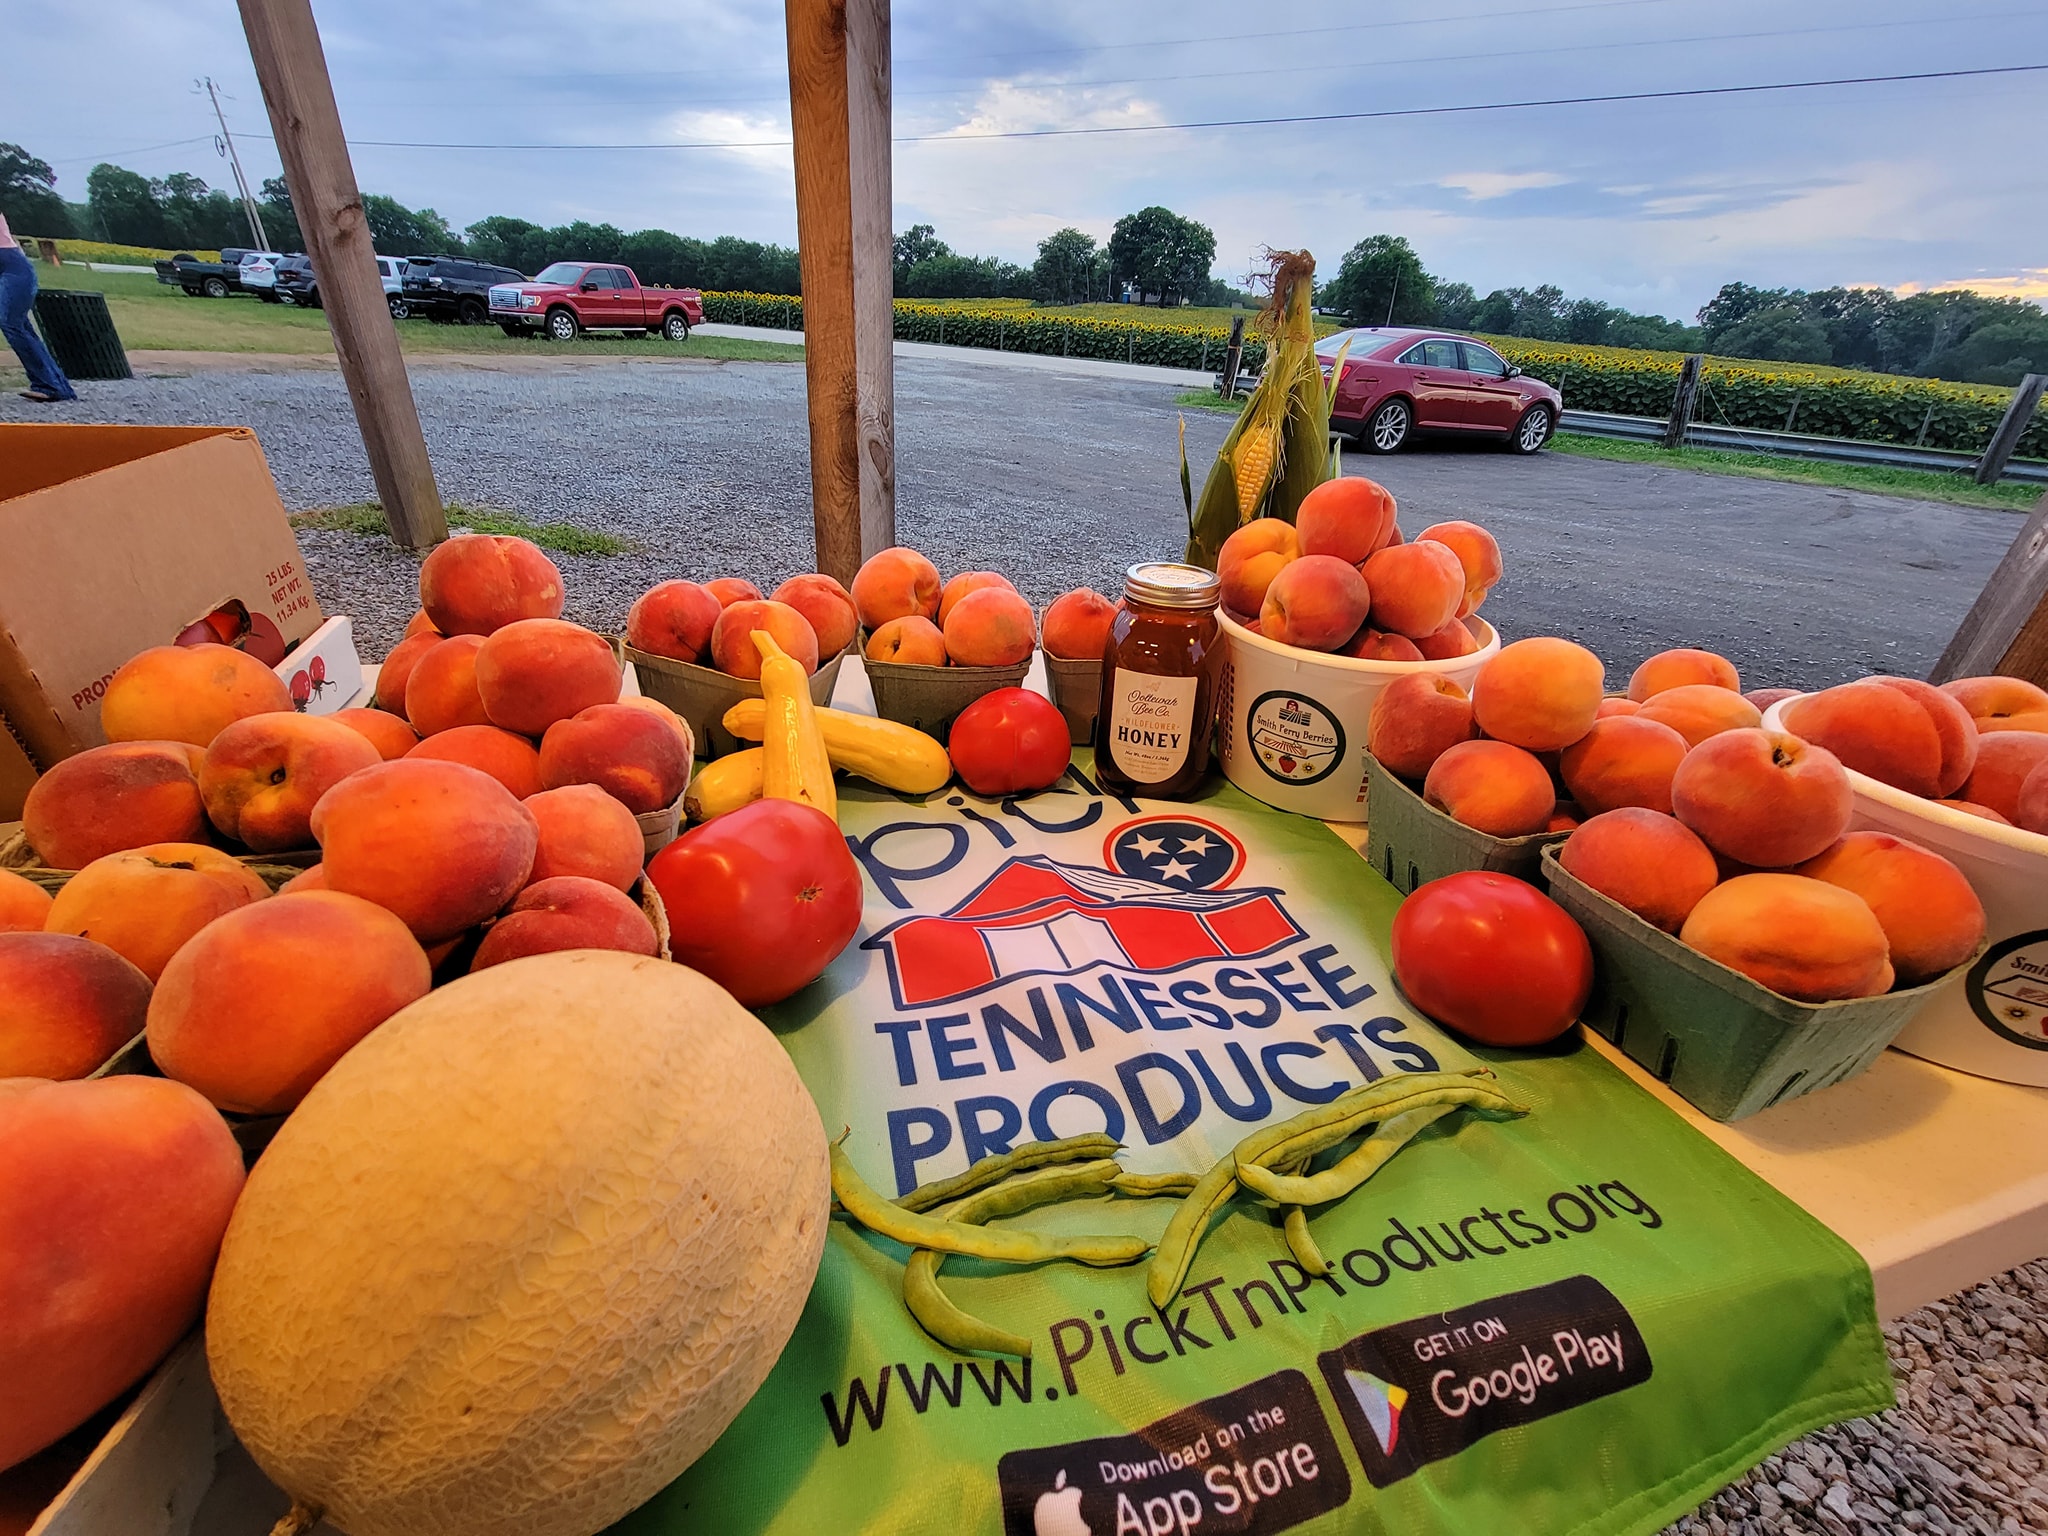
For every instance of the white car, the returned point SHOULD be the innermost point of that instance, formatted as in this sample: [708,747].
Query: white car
[257,274]
[391,269]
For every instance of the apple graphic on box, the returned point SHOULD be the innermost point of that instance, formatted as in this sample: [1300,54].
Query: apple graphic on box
[1059,1513]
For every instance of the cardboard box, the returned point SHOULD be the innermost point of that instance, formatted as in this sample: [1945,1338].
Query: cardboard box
[117,539]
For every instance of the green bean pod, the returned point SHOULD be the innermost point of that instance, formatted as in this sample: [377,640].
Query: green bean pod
[1145,1186]
[1319,1130]
[1302,1244]
[1352,1170]
[1000,1166]
[1176,1250]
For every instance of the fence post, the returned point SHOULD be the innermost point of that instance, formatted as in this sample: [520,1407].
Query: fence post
[1681,402]
[2018,414]
[1233,357]
[1925,422]
[2006,629]
[1793,414]
[1130,349]
[1001,325]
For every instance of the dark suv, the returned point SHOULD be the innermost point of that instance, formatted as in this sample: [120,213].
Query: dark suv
[448,288]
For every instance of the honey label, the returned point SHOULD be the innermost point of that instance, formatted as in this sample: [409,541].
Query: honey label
[1151,722]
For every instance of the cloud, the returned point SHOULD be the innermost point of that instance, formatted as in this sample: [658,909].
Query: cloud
[2027,283]
[1484,186]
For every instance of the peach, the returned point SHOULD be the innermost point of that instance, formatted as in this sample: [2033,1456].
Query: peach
[442,693]
[532,672]
[959,586]
[146,903]
[1680,669]
[1415,720]
[1764,698]
[1562,820]
[1371,644]
[1478,553]
[910,641]
[1612,707]
[2005,761]
[396,671]
[104,799]
[567,912]
[1982,812]
[439,844]
[1449,643]
[66,1004]
[1903,739]
[1416,588]
[1539,694]
[1251,557]
[732,639]
[1316,602]
[1954,727]
[24,906]
[896,583]
[2030,810]
[1994,701]
[673,619]
[1077,625]
[262,776]
[584,831]
[1492,787]
[666,716]
[510,759]
[311,878]
[391,736]
[420,624]
[1763,798]
[1394,536]
[728,590]
[1931,917]
[990,627]
[1625,760]
[258,1006]
[1804,939]
[187,693]
[2033,720]
[1699,710]
[479,582]
[826,606]
[1347,519]
[1651,863]
[114,1195]
[626,752]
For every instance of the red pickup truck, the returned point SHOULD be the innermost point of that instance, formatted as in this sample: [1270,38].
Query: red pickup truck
[571,297]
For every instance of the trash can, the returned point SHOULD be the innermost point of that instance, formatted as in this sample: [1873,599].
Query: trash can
[79,331]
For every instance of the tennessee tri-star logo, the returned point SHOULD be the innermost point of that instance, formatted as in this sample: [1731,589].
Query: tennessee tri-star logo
[1182,852]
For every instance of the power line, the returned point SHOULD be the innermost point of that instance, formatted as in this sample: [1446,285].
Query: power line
[204,138]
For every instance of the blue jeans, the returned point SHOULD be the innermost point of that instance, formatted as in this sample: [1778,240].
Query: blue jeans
[17,300]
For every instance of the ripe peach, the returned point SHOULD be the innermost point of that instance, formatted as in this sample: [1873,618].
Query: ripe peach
[1449,643]
[24,906]
[1699,710]
[1493,787]
[1651,863]
[584,831]
[1251,557]
[442,693]
[626,752]
[567,912]
[187,693]
[396,671]
[896,583]
[420,624]
[1416,588]
[827,606]
[1762,797]
[1804,939]
[732,646]
[1930,915]
[311,878]
[1478,553]
[1953,727]
[1764,698]
[1077,625]
[1679,669]
[959,586]
[2005,760]
[391,736]
[666,716]
[673,619]
[990,627]
[1995,702]
[257,1007]
[66,1004]
[1562,820]
[1316,602]
[732,589]
[1539,694]
[104,799]
[510,759]
[1611,707]
[2031,808]
[532,672]
[1625,760]
[1415,720]
[479,582]
[910,641]
[1347,519]
[262,776]
[146,903]
[440,844]
[1371,644]
[1906,740]
[1968,808]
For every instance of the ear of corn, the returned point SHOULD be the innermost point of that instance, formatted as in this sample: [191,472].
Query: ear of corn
[797,766]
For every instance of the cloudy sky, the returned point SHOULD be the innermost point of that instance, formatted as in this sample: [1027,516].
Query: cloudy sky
[1649,204]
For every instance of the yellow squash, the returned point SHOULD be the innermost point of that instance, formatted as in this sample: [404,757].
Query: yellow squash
[797,766]
[883,752]
[725,785]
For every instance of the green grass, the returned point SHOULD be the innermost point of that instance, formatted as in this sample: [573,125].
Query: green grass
[367,518]
[1209,400]
[1878,480]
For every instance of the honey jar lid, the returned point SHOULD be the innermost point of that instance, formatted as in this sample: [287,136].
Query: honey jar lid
[1169,584]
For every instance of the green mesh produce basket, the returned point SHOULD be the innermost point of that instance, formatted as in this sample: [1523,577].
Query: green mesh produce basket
[1411,842]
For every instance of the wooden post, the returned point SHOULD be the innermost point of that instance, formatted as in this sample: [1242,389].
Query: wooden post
[1681,402]
[2019,414]
[1233,357]
[839,110]
[284,43]
[2006,629]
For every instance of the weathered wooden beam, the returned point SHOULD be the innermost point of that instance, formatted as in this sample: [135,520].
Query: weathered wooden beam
[2019,415]
[292,68]
[1681,401]
[839,105]
[2006,629]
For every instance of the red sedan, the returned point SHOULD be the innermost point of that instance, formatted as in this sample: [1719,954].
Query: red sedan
[1399,381]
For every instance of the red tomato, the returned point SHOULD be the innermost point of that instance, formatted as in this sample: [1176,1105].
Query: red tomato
[1493,958]
[1010,742]
[760,900]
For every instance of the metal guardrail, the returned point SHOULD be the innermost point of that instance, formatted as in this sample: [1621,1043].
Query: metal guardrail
[1796,445]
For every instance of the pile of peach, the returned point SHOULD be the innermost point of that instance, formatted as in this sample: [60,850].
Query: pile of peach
[1342,578]
[1698,820]
[811,616]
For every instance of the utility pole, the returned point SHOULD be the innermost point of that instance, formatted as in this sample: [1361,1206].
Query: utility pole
[235,160]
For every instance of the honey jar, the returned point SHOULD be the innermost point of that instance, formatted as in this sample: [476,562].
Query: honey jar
[1159,683]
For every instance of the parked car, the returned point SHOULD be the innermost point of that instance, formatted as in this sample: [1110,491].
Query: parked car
[297,284]
[571,297]
[1398,381]
[257,274]
[205,279]
[392,270]
[453,287]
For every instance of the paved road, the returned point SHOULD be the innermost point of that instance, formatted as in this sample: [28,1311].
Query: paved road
[1060,479]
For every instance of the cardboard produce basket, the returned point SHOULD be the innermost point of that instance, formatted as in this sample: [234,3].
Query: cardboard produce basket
[702,695]
[1411,842]
[929,699]
[1076,688]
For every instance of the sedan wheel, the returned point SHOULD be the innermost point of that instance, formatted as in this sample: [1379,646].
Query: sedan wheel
[1534,429]
[676,328]
[399,308]
[1389,427]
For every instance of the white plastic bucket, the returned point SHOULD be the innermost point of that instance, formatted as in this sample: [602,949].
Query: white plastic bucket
[1993,1019]
[1291,723]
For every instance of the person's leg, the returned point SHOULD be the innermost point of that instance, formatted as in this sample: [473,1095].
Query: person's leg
[17,300]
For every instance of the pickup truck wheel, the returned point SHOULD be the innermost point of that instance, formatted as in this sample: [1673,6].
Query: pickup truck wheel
[563,325]
[675,325]
[215,287]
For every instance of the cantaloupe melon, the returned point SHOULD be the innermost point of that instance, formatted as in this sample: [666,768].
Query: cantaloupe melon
[523,1253]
